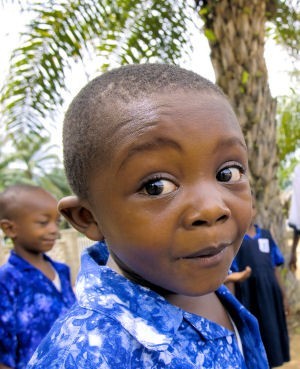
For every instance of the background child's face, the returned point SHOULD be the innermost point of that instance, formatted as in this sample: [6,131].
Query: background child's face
[174,202]
[36,225]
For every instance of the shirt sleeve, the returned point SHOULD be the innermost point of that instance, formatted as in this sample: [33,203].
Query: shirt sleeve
[234,266]
[276,254]
[8,338]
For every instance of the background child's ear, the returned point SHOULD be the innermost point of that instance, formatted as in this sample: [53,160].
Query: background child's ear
[9,228]
[80,217]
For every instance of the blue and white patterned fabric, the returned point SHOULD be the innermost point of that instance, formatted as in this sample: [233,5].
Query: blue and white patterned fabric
[29,305]
[118,324]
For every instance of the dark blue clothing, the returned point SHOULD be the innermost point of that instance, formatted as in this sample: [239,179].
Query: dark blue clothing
[261,293]
[118,324]
[29,305]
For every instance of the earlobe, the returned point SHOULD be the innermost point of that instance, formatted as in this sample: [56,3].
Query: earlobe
[8,227]
[80,217]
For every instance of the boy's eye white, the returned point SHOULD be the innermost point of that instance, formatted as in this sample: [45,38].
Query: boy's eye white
[158,187]
[230,174]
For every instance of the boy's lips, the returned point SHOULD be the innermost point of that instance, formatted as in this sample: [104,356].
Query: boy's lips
[207,252]
[49,240]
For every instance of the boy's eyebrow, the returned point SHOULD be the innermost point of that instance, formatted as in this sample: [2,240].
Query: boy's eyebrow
[167,142]
[150,146]
[231,141]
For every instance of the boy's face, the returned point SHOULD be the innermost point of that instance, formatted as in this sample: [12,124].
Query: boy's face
[174,202]
[36,223]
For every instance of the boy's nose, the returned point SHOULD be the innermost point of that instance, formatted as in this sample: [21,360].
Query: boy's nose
[53,228]
[207,209]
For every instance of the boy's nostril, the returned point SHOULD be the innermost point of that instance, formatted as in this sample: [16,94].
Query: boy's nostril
[223,217]
[198,223]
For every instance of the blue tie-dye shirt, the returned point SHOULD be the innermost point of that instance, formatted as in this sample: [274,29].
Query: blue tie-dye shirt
[29,305]
[118,324]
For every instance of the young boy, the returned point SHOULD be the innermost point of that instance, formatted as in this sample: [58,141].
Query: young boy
[34,289]
[158,163]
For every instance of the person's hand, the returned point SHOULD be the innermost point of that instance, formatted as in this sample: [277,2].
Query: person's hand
[238,276]
[286,306]
[293,261]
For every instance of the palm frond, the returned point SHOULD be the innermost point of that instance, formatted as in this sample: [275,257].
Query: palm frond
[61,31]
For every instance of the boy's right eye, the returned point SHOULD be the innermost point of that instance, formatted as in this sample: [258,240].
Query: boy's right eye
[43,222]
[158,186]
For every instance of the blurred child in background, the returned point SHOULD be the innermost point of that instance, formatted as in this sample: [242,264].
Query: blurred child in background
[34,289]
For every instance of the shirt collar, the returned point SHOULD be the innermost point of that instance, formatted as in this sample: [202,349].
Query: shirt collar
[147,316]
[22,264]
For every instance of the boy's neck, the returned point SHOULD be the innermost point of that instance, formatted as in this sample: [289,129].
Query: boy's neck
[208,306]
[34,258]
[252,230]
[121,269]
[37,260]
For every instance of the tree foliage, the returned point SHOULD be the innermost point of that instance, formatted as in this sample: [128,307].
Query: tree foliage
[288,125]
[285,18]
[126,31]
[32,161]
[288,136]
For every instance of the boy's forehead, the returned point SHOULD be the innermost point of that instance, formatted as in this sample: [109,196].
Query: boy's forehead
[128,122]
[28,200]
[148,110]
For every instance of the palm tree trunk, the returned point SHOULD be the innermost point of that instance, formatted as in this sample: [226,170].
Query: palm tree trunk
[236,34]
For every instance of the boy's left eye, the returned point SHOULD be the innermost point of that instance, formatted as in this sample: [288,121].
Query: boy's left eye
[230,174]
[158,187]
[43,222]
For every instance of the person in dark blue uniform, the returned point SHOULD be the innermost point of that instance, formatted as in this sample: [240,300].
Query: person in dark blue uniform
[262,292]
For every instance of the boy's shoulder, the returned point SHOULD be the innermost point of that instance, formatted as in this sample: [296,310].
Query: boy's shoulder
[11,267]
[16,268]
[88,337]
[85,338]
[10,279]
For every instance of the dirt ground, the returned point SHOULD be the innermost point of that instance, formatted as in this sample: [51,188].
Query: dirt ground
[294,332]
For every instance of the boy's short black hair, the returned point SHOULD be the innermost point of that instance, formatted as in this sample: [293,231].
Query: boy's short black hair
[86,124]
[9,198]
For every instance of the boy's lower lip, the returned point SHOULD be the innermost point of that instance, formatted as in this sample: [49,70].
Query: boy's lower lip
[49,241]
[208,257]
[208,251]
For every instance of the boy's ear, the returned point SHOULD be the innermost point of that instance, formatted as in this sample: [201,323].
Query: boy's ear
[80,217]
[8,227]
